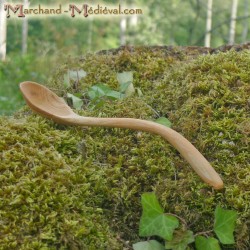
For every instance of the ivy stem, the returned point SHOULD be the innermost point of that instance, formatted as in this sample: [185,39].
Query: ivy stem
[181,219]
[206,233]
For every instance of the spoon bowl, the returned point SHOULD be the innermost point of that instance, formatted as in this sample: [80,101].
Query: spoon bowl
[45,102]
[48,104]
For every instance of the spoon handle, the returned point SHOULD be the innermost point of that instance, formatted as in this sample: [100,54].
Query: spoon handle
[198,162]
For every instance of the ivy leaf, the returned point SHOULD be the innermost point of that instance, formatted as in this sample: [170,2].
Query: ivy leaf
[164,121]
[125,80]
[114,95]
[154,221]
[203,243]
[125,77]
[77,74]
[100,90]
[74,75]
[130,90]
[148,245]
[76,102]
[224,225]
[124,86]
[180,241]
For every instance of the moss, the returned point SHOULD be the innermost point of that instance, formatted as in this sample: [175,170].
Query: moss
[45,192]
[79,188]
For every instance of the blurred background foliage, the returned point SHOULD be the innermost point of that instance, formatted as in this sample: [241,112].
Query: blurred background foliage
[50,40]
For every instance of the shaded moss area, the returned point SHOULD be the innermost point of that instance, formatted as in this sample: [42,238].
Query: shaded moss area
[80,188]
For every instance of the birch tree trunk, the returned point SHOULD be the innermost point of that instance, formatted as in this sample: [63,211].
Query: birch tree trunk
[246,22]
[3,31]
[90,33]
[123,28]
[209,23]
[25,30]
[233,22]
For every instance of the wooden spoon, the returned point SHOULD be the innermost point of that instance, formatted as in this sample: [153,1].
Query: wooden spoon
[48,104]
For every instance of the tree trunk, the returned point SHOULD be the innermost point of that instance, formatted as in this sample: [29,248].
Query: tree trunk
[123,28]
[25,30]
[90,33]
[209,23]
[133,21]
[245,25]
[233,22]
[3,31]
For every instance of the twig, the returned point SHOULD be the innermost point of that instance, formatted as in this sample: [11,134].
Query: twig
[181,219]
[204,233]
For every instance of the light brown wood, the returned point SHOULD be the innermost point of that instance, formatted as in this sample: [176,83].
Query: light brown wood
[48,104]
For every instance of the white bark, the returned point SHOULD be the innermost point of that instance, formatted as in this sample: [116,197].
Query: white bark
[208,23]
[133,20]
[90,33]
[233,22]
[123,28]
[25,30]
[3,30]
[246,22]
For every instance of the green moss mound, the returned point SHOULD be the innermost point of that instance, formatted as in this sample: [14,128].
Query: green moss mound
[79,188]
[45,192]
